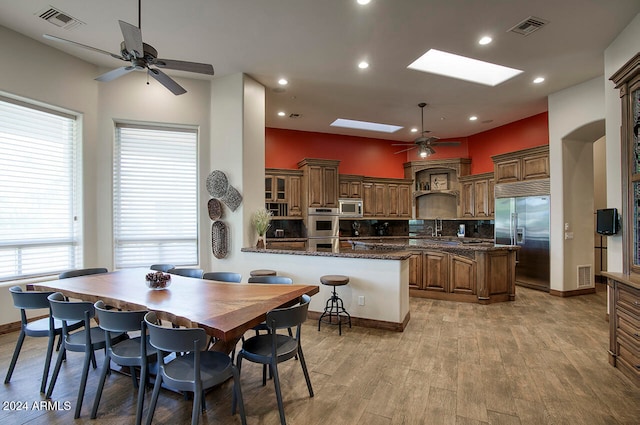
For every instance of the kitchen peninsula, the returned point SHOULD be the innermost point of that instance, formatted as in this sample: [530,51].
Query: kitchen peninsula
[385,272]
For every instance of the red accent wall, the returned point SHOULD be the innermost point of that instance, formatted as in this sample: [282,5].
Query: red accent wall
[357,155]
[525,133]
[376,157]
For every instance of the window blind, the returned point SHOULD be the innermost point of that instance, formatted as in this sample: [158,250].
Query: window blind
[155,203]
[40,230]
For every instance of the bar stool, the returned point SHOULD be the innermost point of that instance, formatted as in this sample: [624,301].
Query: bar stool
[262,272]
[334,306]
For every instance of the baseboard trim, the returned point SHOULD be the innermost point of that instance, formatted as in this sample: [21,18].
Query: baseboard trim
[369,323]
[572,293]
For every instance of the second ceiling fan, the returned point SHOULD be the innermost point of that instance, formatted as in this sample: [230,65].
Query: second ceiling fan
[141,56]
[423,143]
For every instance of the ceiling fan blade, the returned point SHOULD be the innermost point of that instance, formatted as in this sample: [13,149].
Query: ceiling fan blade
[438,143]
[132,39]
[402,144]
[200,68]
[166,81]
[84,46]
[115,73]
[405,150]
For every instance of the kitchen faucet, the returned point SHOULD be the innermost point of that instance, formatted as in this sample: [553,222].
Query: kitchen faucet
[430,227]
[438,227]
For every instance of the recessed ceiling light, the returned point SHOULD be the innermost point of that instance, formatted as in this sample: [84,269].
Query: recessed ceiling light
[414,130]
[364,125]
[538,80]
[283,82]
[485,40]
[363,2]
[473,118]
[363,65]
[281,114]
[463,68]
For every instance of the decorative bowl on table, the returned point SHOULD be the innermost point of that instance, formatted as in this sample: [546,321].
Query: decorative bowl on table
[158,280]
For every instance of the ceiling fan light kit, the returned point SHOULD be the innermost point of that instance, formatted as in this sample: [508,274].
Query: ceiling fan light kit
[142,56]
[422,143]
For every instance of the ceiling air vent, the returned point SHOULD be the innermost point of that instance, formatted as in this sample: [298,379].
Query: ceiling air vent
[59,18]
[294,115]
[528,26]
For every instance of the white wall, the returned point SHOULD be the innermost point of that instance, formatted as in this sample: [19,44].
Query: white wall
[623,48]
[570,110]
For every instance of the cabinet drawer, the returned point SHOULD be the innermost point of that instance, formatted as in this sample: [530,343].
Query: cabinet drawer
[629,299]
[629,331]
[629,360]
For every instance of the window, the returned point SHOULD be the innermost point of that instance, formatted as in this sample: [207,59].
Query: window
[155,196]
[40,229]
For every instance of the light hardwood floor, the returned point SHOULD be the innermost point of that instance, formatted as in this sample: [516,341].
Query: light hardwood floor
[538,360]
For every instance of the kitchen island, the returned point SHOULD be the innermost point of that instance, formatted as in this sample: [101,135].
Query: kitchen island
[384,272]
[455,269]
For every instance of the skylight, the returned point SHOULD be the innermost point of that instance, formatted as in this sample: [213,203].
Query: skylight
[364,125]
[463,68]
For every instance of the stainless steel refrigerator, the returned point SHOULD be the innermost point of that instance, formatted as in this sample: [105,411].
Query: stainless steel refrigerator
[524,221]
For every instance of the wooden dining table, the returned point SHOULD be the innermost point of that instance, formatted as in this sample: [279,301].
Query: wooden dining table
[224,310]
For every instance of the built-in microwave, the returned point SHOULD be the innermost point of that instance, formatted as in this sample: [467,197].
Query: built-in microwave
[350,207]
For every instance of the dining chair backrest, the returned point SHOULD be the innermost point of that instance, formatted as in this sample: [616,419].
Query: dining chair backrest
[66,311]
[162,267]
[119,321]
[82,272]
[289,317]
[197,273]
[282,280]
[28,300]
[223,276]
[175,339]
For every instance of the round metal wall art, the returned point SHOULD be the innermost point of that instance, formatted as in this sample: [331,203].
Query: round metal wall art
[217,184]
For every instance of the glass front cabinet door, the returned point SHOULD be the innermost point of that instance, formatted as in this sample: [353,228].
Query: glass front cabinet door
[627,80]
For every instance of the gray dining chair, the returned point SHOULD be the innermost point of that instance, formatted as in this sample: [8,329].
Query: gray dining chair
[195,370]
[82,272]
[223,276]
[162,267]
[132,352]
[45,327]
[187,272]
[273,348]
[278,280]
[85,340]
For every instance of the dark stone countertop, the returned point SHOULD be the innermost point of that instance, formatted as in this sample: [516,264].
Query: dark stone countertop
[348,253]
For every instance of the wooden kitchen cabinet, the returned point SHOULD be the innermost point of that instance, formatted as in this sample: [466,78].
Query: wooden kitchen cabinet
[320,181]
[462,275]
[282,192]
[522,165]
[435,271]
[350,186]
[415,270]
[386,198]
[477,195]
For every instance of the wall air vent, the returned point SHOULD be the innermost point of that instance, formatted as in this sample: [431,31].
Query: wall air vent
[59,18]
[528,26]
[585,276]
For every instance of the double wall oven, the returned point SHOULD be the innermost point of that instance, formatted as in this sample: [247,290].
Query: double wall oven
[323,226]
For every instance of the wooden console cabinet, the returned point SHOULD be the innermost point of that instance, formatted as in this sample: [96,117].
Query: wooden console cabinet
[624,324]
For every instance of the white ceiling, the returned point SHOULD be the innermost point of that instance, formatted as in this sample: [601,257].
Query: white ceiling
[316,45]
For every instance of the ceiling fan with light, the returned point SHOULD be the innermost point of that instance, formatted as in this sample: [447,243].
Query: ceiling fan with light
[423,143]
[142,56]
